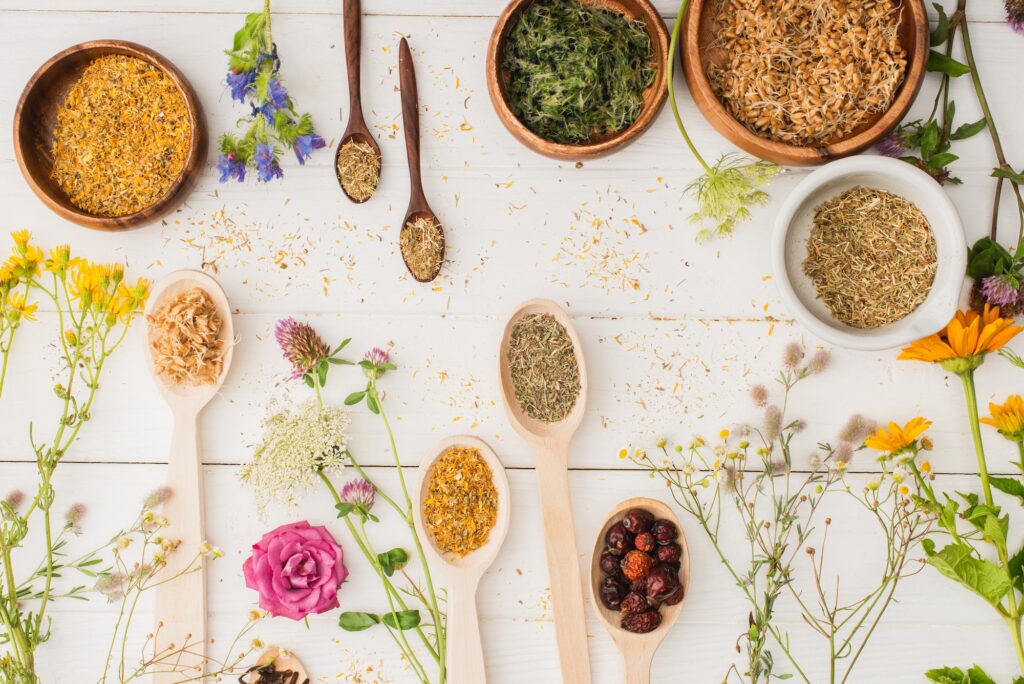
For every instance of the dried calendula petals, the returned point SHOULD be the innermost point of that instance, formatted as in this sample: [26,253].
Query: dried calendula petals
[122,137]
[185,339]
[461,503]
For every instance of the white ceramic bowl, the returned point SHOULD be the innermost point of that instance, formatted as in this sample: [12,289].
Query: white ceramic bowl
[793,226]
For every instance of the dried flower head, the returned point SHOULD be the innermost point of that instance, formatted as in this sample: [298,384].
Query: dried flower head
[893,145]
[772,423]
[14,499]
[298,442]
[1000,290]
[73,517]
[759,393]
[843,452]
[856,429]
[819,361]
[302,346]
[1015,15]
[793,355]
[112,586]
[158,497]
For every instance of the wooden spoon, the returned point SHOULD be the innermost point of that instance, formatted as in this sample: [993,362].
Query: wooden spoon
[283,661]
[418,207]
[465,659]
[181,604]
[638,649]
[357,130]
[550,444]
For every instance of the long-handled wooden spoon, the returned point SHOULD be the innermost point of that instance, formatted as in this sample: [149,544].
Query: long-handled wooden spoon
[418,207]
[465,659]
[550,444]
[637,649]
[181,604]
[357,130]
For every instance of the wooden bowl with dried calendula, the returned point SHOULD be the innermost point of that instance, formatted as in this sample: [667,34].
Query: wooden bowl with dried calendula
[804,81]
[109,135]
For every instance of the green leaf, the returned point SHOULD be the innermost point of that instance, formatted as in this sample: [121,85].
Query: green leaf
[983,577]
[941,32]
[354,398]
[929,140]
[344,509]
[344,343]
[392,560]
[339,362]
[372,404]
[988,257]
[1009,175]
[355,621]
[308,379]
[1009,485]
[946,65]
[946,675]
[977,676]
[969,130]
[941,160]
[405,619]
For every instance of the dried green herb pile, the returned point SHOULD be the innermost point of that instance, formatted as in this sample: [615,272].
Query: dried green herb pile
[545,373]
[871,256]
[576,72]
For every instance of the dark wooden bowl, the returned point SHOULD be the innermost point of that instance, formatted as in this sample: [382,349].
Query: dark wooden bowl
[654,96]
[698,32]
[36,117]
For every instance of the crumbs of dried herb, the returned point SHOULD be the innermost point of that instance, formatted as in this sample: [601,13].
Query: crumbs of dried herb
[358,169]
[422,245]
[543,366]
[576,71]
[871,256]
[461,504]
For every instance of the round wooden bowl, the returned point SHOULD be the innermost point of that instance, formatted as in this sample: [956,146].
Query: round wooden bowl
[699,31]
[654,96]
[36,117]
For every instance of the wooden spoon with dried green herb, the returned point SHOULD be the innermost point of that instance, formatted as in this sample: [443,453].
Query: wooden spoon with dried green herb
[357,161]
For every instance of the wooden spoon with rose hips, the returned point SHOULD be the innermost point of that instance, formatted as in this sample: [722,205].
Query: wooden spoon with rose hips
[639,576]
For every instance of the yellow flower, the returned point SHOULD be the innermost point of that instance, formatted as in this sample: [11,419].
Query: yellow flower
[623,453]
[926,467]
[895,439]
[21,238]
[60,256]
[724,434]
[1008,418]
[16,301]
[961,346]
[904,490]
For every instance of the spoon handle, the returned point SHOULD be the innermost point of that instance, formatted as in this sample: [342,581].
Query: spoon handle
[353,41]
[181,604]
[563,562]
[411,121]
[638,664]
[466,653]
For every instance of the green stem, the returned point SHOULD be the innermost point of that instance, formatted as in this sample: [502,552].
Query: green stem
[1015,625]
[970,395]
[670,69]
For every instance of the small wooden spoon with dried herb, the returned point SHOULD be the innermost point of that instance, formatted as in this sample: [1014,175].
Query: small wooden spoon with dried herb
[422,238]
[357,162]
[276,666]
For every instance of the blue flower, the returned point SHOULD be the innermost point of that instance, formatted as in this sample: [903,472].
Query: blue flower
[230,166]
[267,167]
[305,144]
[240,83]
[266,110]
[277,93]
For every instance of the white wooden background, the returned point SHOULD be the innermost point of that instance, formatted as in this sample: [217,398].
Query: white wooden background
[674,332]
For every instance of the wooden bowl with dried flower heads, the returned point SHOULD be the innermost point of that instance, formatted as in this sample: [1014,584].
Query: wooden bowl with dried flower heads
[699,33]
[654,96]
[35,120]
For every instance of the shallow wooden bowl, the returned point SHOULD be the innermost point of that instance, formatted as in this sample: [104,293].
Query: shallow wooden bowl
[654,96]
[699,31]
[36,117]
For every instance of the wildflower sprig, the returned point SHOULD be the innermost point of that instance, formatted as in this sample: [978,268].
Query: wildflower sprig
[730,186]
[16,275]
[274,125]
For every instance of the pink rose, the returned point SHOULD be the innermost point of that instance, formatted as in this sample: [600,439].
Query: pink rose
[297,570]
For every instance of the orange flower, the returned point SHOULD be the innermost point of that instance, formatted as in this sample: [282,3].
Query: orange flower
[1008,418]
[895,439]
[961,346]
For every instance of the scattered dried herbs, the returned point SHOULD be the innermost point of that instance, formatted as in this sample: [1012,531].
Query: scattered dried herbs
[422,245]
[545,373]
[871,256]
[576,71]
[806,72]
[358,169]
[122,137]
[185,339]
[461,504]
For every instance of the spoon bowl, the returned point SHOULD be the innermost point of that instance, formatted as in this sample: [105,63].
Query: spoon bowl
[283,661]
[462,574]
[638,649]
[357,130]
[181,604]
[550,445]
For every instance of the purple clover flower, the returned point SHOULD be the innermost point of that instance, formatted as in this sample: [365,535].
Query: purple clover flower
[1015,15]
[302,347]
[240,83]
[230,166]
[893,145]
[267,167]
[377,356]
[999,291]
[305,144]
[358,493]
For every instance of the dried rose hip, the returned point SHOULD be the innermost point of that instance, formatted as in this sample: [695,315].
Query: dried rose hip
[661,582]
[636,565]
[612,593]
[609,564]
[669,553]
[639,586]
[641,623]
[633,602]
[675,597]
[619,541]
[637,520]
[664,531]
[644,541]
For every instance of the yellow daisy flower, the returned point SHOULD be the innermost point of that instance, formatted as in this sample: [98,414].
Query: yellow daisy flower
[16,301]
[1008,419]
[962,345]
[894,439]
[21,238]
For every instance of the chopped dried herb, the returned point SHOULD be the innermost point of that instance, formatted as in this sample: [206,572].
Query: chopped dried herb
[358,170]
[122,137]
[871,256]
[461,504]
[576,71]
[422,245]
[545,373]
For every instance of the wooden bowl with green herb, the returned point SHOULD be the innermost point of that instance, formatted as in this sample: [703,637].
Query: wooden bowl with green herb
[550,97]
[170,139]
[784,99]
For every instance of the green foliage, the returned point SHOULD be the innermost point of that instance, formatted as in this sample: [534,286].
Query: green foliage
[954,675]
[727,191]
